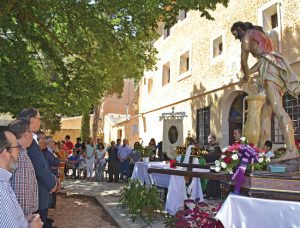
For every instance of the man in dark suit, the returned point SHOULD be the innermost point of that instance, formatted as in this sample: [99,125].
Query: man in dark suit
[46,180]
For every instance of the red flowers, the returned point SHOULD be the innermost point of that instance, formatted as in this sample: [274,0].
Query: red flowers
[227,160]
[202,215]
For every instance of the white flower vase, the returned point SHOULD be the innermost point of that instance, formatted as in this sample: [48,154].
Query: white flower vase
[146,159]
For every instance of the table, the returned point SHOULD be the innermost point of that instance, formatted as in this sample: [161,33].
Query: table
[140,172]
[177,191]
[242,212]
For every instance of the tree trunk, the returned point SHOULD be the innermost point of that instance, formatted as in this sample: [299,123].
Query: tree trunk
[96,120]
[85,125]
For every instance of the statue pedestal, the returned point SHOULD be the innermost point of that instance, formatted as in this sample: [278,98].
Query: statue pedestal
[251,129]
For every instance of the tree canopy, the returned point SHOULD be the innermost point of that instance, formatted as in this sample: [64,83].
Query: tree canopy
[62,56]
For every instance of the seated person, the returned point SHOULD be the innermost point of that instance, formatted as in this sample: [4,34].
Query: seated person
[268,149]
[81,165]
[74,160]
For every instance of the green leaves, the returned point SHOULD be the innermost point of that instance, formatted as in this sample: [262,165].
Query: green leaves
[63,56]
[141,200]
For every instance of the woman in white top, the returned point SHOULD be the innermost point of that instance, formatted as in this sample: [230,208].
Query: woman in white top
[90,158]
[100,162]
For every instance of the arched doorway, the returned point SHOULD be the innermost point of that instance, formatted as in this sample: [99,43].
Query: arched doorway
[235,117]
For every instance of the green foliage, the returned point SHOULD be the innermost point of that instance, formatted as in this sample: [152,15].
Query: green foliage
[63,56]
[85,126]
[141,200]
[144,151]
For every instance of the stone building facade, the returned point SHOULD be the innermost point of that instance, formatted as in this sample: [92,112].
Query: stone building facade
[198,69]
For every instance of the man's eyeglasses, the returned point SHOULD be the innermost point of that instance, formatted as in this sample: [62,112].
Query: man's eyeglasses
[19,146]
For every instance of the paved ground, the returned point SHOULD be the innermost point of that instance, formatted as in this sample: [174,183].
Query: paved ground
[75,211]
[107,194]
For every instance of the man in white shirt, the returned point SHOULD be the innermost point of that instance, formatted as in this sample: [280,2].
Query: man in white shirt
[11,214]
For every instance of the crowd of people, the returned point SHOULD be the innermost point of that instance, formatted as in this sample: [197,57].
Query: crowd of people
[91,161]
[28,173]
[32,165]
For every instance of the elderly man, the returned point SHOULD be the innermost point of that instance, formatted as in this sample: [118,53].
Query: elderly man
[123,154]
[23,181]
[53,163]
[46,180]
[276,77]
[11,214]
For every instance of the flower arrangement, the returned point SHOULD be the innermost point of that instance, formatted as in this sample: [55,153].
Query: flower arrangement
[198,214]
[237,158]
[231,157]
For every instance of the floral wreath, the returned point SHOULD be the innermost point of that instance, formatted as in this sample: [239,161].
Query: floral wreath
[236,158]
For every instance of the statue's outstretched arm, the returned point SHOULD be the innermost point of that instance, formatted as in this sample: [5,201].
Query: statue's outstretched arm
[254,68]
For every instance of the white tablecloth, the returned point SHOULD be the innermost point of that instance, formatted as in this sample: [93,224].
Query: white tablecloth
[244,212]
[140,172]
[177,191]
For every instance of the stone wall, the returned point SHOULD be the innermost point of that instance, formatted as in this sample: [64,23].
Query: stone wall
[211,81]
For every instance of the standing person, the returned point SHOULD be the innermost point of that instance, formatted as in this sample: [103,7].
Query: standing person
[152,146]
[53,163]
[50,156]
[100,162]
[90,152]
[276,77]
[213,187]
[78,143]
[113,163]
[69,145]
[237,135]
[23,180]
[268,149]
[61,154]
[134,157]
[118,143]
[11,214]
[98,141]
[46,180]
[123,154]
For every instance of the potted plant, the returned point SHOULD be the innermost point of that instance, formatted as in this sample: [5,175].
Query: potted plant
[141,200]
[145,152]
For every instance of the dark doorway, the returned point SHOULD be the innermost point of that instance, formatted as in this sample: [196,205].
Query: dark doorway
[236,115]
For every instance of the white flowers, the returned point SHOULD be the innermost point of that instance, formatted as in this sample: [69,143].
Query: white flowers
[260,160]
[235,157]
[223,156]
[243,139]
[223,165]
[218,166]
[218,169]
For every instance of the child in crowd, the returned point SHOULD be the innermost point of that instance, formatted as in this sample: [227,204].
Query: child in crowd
[81,165]
[268,149]
[74,160]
